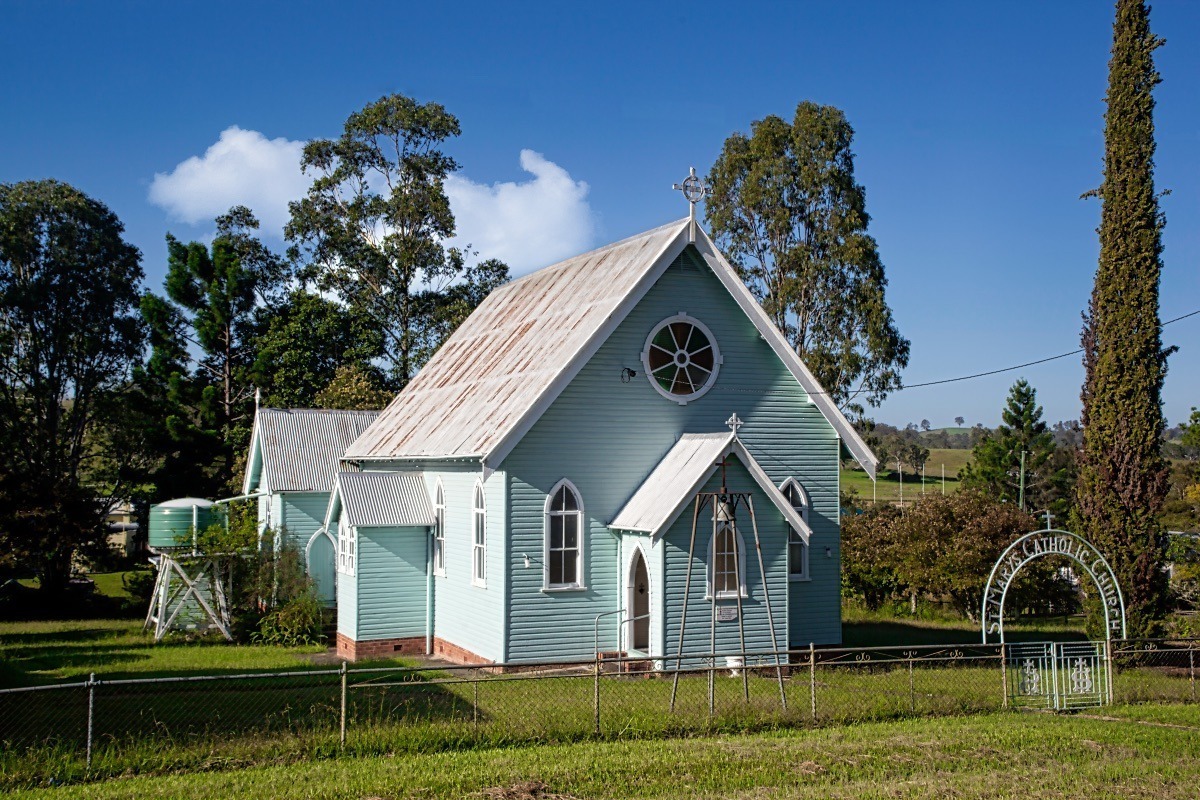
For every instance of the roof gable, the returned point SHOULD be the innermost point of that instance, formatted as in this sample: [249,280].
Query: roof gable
[298,449]
[685,468]
[496,376]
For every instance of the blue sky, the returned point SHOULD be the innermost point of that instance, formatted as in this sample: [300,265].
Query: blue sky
[977,128]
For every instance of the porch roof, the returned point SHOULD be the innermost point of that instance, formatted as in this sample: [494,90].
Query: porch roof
[682,473]
[380,499]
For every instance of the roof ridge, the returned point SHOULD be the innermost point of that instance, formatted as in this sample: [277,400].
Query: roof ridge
[603,248]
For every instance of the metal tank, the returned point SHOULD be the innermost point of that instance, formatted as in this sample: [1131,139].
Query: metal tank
[172,523]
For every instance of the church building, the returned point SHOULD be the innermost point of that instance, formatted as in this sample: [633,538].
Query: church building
[534,487]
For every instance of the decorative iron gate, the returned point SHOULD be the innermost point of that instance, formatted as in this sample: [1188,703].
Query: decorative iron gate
[1058,675]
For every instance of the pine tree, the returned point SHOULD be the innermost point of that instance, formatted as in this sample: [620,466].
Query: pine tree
[1123,477]
[995,466]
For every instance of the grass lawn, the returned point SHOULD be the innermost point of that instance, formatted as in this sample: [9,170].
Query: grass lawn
[46,652]
[888,487]
[992,755]
[862,628]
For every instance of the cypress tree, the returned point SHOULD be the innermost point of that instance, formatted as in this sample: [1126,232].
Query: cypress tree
[1122,475]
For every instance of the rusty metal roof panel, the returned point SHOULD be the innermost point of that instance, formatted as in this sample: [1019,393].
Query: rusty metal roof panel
[384,499]
[494,370]
[301,446]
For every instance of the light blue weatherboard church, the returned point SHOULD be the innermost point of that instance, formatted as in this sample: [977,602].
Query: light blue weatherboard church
[542,468]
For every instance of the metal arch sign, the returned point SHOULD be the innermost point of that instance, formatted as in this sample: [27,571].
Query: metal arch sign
[1052,543]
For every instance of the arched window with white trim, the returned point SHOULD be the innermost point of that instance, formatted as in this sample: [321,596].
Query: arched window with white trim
[726,557]
[347,547]
[797,550]
[564,538]
[479,538]
[439,529]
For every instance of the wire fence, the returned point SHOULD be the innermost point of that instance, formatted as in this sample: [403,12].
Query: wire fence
[103,727]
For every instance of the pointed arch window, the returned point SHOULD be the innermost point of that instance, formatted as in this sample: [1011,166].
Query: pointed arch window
[439,529]
[797,550]
[564,538]
[726,557]
[479,538]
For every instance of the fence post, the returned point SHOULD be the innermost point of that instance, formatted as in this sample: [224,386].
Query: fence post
[596,694]
[1192,669]
[91,690]
[475,703]
[812,680]
[912,697]
[342,722]
[1003,677]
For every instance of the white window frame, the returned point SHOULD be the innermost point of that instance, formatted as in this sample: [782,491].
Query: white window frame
[712,566]
[347,547]
[718,360]
[439,529]
[793,536]
[547,513]
[479,536]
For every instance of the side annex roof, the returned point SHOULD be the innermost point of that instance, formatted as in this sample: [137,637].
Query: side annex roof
[297,449]
[379,499]
[499,372]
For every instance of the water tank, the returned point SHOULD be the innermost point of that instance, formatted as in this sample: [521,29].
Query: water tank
[171,522]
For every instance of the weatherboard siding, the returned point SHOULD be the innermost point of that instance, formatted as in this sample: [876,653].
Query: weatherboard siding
[303,514]
[391,583]
[606,436]
[347,605]
[466,615]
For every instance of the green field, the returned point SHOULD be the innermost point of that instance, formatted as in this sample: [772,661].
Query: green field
[1000,755]
[887,489]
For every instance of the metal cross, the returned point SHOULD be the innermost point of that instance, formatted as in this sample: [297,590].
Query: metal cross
[734,423]
[1049,517]
[694,190]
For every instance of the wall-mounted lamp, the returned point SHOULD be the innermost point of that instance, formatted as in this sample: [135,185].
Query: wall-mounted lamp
[526,560]
[829,552]
[627,374]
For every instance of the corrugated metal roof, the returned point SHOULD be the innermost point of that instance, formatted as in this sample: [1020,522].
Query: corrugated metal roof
[300,447]
[371,499]
[492,379]
[486,378]
[680,475]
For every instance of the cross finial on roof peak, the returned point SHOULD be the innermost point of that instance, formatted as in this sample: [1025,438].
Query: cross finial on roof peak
[734,423]
[694,190]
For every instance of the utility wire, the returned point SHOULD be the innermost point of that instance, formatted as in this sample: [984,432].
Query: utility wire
[1026,364]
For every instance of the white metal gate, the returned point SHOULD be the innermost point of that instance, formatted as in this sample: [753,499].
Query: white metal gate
[1058,675]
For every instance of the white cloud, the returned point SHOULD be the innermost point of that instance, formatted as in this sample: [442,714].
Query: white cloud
[527,225]
[242,168]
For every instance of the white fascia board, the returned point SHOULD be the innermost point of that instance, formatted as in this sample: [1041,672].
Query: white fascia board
[777,497]
[816,393]
[335,504]
[666,256]
[256,456]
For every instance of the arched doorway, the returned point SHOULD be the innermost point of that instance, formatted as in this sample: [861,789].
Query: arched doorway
[638,603]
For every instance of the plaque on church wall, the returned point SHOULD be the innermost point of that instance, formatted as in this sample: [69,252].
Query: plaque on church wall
[726,613]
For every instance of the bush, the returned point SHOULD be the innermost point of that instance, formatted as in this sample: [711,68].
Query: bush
[297,622]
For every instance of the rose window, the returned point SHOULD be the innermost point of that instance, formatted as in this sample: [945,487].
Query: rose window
[681,358]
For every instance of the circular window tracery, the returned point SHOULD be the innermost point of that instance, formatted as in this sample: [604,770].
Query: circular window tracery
[681,358]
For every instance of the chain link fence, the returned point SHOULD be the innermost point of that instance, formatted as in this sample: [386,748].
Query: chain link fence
[105,727]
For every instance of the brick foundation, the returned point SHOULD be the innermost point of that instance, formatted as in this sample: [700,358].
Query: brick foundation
[352,650]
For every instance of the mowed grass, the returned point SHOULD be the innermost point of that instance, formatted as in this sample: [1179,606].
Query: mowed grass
[999,755]
[887,490]
[48,652]
[863,628]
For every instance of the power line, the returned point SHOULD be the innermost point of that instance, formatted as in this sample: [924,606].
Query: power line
[1026,364]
